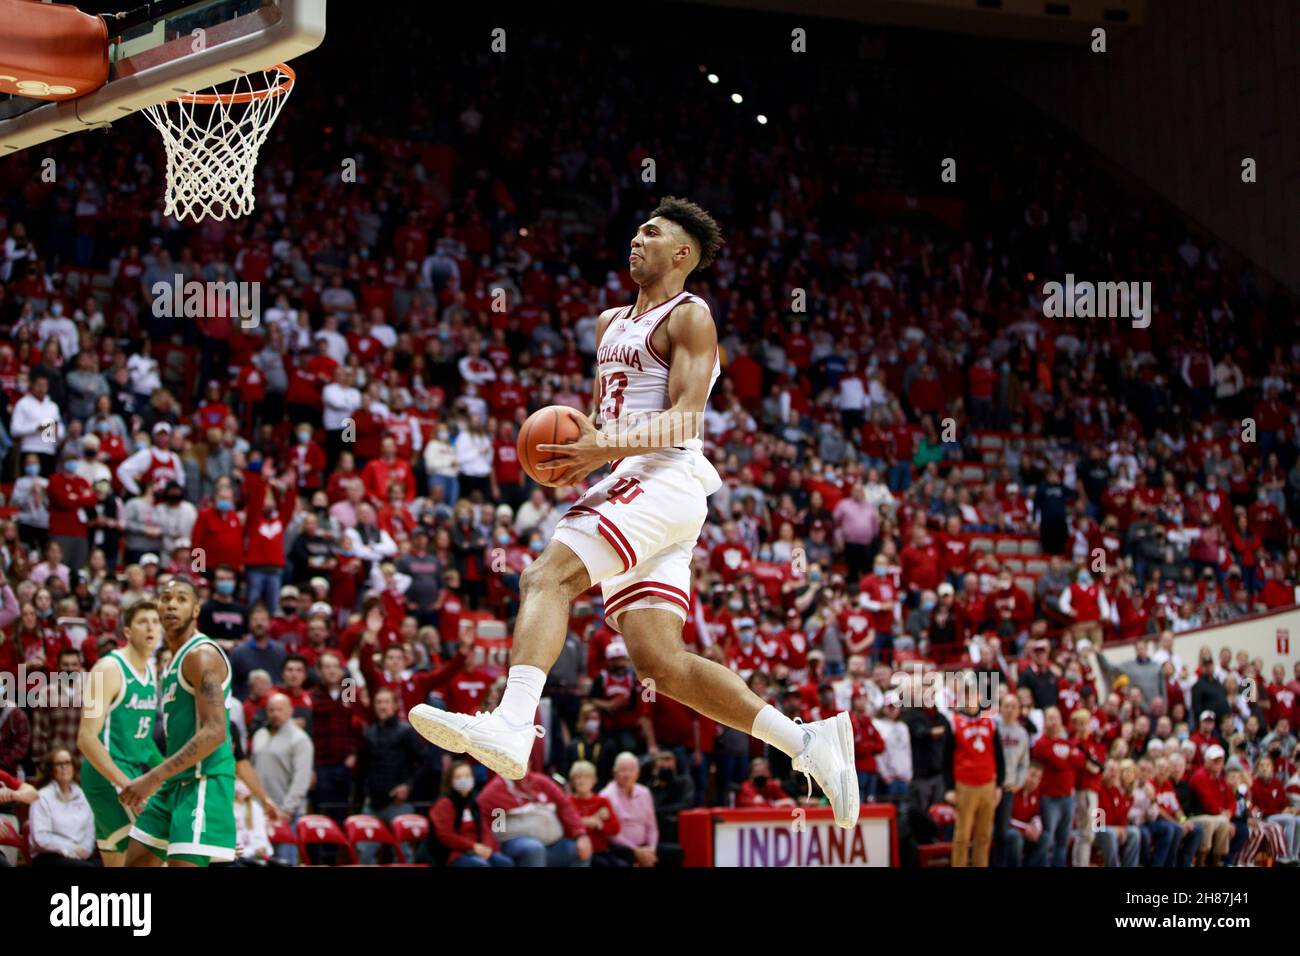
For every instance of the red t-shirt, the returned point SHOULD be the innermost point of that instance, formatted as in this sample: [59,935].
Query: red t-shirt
[974,763]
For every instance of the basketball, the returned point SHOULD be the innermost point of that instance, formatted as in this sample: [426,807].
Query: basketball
[546,426]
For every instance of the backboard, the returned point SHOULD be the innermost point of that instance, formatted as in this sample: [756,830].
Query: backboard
[196,45]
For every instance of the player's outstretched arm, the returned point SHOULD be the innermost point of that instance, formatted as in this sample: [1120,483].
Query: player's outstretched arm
[204,669]
[100,689]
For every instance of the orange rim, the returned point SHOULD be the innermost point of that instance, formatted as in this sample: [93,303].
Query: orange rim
[284,83]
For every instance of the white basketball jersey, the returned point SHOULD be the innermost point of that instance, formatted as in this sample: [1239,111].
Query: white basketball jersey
[633,376]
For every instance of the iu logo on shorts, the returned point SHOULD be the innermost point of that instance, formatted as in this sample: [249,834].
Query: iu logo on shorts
[624,490]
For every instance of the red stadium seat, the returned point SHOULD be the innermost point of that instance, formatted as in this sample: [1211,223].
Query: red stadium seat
[281,834]
[364,828]
[409,828]
[936,854]
[316,829]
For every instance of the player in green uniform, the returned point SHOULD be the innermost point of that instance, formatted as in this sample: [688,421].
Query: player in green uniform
[185,806]
[116,733]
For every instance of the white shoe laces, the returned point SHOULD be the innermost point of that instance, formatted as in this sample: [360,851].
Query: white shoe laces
[806,775]
[483,715]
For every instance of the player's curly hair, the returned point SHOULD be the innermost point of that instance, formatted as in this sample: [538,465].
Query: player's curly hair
[696,223]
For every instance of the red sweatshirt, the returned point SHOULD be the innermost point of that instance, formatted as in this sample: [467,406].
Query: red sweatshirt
[1115,804]
[502,794]
[1214,796]
[411,690]
[1269,796]
[1060,759]
[69,494]
[459,836]
[867,742]
[221,538]
[266,531]
[587,806]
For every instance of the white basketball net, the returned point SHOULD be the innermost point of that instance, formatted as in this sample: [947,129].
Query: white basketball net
[212,140]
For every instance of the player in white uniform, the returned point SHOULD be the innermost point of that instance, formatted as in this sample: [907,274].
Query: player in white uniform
[634,531]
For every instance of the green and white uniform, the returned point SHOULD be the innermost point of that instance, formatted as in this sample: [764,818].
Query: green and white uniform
[193,814]
[128,736]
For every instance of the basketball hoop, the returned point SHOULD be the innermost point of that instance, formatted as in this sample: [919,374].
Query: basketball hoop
[212,140]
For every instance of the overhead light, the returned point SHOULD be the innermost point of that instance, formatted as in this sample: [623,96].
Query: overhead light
[713,77]
[737,98]
[762,120]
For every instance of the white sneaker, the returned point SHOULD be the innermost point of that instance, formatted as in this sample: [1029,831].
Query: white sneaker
[828,759]
[488,738]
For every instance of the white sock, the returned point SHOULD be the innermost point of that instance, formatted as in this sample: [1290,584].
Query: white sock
[775,728]
[523,690]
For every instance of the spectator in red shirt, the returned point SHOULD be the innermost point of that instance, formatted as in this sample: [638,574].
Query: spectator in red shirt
[921,561]
[542,827]
[867,742]
[729,556]
[1117,835]
[378,475]
[71,501]
[1216,803]
[1060,760]
[760,790]
[973,772]
[334,737]
[460,825]
[1268,795]
[598,815]
[219,532]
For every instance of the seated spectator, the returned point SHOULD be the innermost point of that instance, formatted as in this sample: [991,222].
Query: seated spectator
[673,792]
[541,824]
[760,790]
[1025,845]
[252,838]
[459,825]
[598,815]
[637,840]
[63,826]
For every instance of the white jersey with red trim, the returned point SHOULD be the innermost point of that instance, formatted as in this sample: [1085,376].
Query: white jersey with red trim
[633,375]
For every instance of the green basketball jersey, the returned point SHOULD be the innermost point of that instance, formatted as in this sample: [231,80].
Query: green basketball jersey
[180,720]
[128,725]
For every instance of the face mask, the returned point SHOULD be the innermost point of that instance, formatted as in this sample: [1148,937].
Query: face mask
[747,639]
[101,427]
[882,572]
[463,785]
[45,613]
[56,310]
[225,506]
[503,538]
[32,470]
[592,726]
[760,781]
[226,587]
[304,437]
[536,547]
[927,605]
[89,453]
[735,605]
[666,775]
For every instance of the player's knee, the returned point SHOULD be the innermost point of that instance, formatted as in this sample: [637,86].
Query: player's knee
[659,665]
[553,575]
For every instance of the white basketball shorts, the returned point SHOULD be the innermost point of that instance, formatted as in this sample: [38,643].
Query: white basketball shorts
[636,529]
